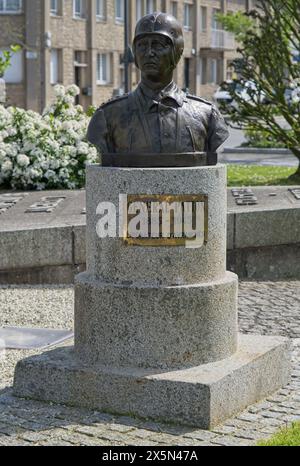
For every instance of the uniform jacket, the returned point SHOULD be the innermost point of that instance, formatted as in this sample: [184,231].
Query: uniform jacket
[146,122]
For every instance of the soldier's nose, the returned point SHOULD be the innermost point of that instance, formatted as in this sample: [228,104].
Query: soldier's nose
[150,52]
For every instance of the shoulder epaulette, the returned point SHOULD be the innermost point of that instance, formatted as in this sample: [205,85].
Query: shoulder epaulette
[113,100]
[199,99]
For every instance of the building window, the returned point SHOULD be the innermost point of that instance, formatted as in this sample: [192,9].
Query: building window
[174,9]
[187,23]
[55,66]
[214,71]
[78,9]
[103,68]
[14,73]
[54,7]
[214,23]
[80,59]
[119,6]
[139,5]
[101,9]
[203,19]
[10,6]
[203,70]
[230,73]
[150,6]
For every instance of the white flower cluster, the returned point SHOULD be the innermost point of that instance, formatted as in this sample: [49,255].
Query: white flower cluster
[45,151]
[294,96]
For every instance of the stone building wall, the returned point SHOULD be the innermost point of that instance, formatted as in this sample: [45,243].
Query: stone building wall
[15,95]
[109,38]
[40,33]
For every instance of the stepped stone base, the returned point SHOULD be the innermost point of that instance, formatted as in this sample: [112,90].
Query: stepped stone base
[155,326]
[201,396]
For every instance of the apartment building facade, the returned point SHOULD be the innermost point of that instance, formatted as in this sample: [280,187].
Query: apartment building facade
[82,42]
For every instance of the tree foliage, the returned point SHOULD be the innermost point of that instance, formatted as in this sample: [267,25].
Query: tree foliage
[269,40]
[5,59]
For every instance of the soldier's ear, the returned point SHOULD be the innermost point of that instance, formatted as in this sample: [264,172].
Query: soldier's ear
[134,56]
[178,57]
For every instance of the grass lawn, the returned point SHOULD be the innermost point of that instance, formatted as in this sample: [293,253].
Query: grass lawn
[255,175]
[289,437]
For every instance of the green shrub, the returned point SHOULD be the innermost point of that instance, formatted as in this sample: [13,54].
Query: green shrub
[261,139]
[45,151]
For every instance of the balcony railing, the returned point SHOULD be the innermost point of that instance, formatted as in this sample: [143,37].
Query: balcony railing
[239,2]
[223,40]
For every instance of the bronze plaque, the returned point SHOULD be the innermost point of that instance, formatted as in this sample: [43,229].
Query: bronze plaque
[166,220]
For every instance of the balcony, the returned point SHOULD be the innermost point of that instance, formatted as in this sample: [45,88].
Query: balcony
[222,40]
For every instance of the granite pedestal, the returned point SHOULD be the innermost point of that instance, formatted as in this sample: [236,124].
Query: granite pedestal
[156,327]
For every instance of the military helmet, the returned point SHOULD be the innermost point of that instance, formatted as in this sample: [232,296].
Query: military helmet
[165,25]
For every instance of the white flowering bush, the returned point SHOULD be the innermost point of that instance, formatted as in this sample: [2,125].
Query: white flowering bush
[45,151]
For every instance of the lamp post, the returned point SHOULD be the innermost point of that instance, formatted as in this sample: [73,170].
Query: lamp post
[126,45]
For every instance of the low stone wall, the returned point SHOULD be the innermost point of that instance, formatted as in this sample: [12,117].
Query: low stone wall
[41,261]
[256,150]
[264,245]
[258,156]
[44,255]
[263,241]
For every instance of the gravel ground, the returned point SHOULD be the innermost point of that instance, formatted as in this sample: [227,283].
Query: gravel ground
[33,306]
[268,308]
[37,306]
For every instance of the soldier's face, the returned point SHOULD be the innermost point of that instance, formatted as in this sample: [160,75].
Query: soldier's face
[154,56]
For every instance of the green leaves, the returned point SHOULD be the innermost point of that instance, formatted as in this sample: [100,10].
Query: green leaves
[269,41]
[91,110]
[5,60]
[15,48]
[238,23]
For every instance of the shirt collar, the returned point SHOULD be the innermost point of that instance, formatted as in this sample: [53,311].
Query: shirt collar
[171,91]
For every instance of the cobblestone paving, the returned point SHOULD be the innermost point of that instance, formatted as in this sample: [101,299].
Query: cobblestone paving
[268,308]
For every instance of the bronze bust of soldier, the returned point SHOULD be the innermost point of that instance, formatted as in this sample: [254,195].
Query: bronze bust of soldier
[157,124]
